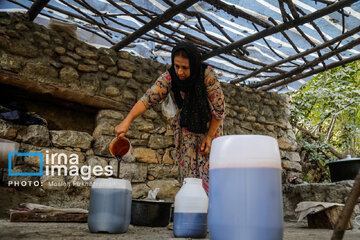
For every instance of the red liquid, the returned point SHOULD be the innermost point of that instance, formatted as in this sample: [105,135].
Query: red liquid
[119,147]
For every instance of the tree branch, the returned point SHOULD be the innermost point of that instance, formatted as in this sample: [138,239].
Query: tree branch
[316,138]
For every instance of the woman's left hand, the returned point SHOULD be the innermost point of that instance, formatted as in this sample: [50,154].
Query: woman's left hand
[206,145]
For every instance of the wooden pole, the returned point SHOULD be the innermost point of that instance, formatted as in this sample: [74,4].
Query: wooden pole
[36,8]
[166,16]
[310,73]
[345,215]
[301,54]
[307,65]
[281,27]
[236,12]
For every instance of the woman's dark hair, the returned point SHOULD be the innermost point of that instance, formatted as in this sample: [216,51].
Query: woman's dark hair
[181,53]
[195,111]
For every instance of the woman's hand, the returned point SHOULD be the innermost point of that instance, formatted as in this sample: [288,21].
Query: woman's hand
[206,145]
[122,128]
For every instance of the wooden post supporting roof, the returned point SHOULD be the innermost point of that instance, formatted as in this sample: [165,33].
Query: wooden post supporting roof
[166,16]
[281,27]
[36,8]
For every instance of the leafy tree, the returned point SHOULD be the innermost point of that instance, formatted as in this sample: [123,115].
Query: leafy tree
[326,112]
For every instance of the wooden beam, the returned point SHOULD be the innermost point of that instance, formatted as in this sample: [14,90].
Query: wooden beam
[286,17]
[36,8]
[142,21]
[63,93]
[324,1]
[91,21]
[231,9]
[236,12]
[166,16]
[308,65]
[281,27]
[288,39]
[176,30]
[80,26]
[310,73]
[304,53]
[319,31]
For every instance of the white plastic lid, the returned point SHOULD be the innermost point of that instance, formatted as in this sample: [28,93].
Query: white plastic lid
[113,183]
[245,151]
[193,180]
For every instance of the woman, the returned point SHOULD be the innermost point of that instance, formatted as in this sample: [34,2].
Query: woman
[200,100]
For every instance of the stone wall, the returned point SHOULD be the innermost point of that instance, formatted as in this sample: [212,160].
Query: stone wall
[56,59]
[336,192]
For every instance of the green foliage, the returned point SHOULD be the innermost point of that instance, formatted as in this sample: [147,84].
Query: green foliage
[329,107]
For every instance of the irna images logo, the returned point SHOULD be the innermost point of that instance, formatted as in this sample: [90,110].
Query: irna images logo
[60,164]
[15,154]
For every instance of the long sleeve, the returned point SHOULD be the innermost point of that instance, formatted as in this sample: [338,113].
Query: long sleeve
[158,91]
[215,94]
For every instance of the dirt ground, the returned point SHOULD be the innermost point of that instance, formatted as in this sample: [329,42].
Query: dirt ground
[10,198]
[32,231]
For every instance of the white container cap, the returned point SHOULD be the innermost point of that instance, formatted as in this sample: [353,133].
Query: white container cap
[245,151]
[193,180]
[113,183]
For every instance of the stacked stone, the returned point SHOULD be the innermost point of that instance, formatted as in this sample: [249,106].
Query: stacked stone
[56,58]
[250,111]
[38,139]
[337,192]
[152,141]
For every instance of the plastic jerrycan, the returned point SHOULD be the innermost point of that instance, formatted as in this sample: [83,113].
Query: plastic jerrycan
[190,210]
[110,205]
[245,194]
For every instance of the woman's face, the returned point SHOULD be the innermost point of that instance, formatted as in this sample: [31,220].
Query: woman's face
[182,67]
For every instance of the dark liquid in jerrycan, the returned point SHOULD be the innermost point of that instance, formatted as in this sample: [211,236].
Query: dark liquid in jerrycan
[245,203]
[119,147]
[110,210]
[190,225]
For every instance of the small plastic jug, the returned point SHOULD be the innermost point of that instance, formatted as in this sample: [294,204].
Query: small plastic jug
[190,212]
[110,205]
[245,194]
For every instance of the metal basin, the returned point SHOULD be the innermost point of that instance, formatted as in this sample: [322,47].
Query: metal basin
[150,213]
[344,169]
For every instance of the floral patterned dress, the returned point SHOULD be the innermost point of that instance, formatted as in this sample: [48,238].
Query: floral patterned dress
[191,162]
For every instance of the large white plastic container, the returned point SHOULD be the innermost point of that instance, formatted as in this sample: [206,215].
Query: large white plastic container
[245,196]
[190,211]
[110,205]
